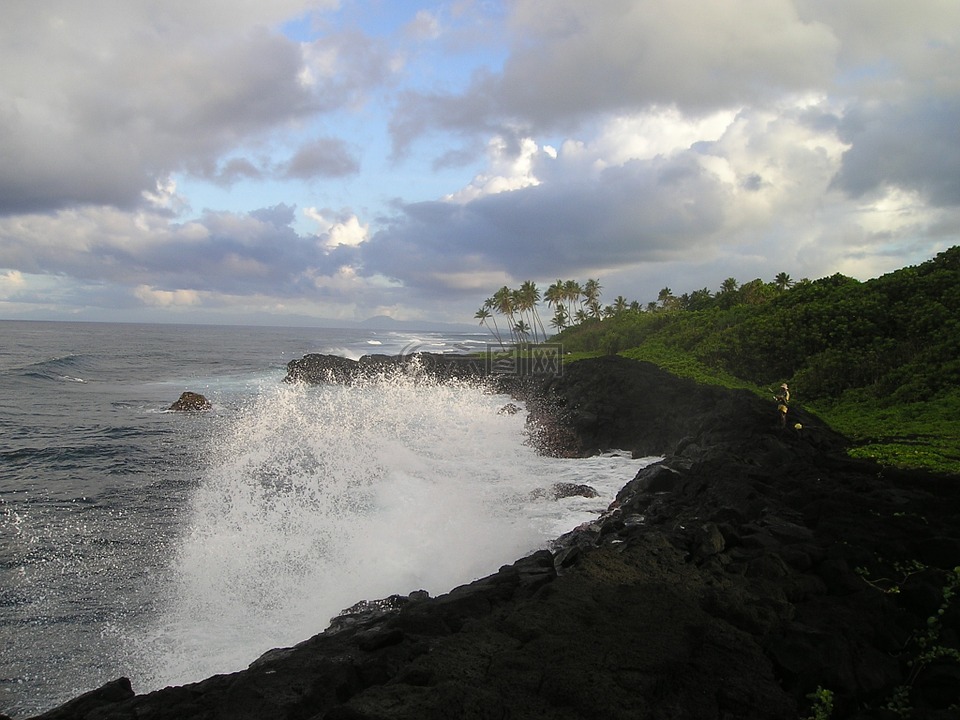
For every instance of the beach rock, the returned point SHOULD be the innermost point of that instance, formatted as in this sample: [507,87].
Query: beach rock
[747,568]
[319,368]
[521,377]
[191,402]
[96,701]
[559,491]
[565,490]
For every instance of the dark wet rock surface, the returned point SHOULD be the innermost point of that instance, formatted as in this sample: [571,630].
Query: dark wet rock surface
[730,580]
[190,402]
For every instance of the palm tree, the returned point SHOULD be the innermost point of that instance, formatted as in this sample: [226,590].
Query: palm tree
[491,304]
[503,300]
[483,315]
[559,320]
[554,294]
[619,305]
[531,296]
[522,329]
[595,309]
[783,281]
[666,298]
[591,295]
[571,293]
[729,293]
[700,299]
[522,305]
[729,285]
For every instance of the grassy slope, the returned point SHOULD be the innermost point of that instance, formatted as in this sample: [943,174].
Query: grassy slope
[898,337]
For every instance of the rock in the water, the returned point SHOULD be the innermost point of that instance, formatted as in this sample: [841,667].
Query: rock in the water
[191,402]
[565,490]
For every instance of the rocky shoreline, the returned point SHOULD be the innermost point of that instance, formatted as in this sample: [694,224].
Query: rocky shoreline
[749,568]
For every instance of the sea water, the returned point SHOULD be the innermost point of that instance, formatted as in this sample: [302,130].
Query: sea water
[168,546]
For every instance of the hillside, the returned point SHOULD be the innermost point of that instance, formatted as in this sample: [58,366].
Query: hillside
[880,360]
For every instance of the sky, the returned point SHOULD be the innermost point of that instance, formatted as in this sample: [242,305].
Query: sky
[309,162]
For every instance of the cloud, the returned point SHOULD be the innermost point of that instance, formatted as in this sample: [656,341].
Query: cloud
[237,253]
[424,26]
[110,98]
[236,169]
[697,56]
[625,214]
[166,298]
[278,216]
[628,139]
[338,229]
[11,283]
[576,62]
[323,157]
[506,171]
[739,189]
[908,146]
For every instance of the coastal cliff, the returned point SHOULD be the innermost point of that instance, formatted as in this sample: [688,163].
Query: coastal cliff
[750,567]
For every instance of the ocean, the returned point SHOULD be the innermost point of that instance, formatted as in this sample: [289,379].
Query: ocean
[168,546]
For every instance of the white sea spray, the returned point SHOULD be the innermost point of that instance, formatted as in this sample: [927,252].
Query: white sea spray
[316,497]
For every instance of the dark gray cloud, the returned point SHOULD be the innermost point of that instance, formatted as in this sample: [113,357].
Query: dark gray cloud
[628,214]
[257,253]
[324,157]
[912,146]
[235,170]
[112,129]
[107,101]
[237,254]
[279,216]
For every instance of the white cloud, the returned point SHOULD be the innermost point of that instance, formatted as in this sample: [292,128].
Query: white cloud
[508,171]
[424,26]
[166,298]
[11,282]
[347,231]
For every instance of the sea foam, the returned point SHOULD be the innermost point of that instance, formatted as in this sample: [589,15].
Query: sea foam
[316,497]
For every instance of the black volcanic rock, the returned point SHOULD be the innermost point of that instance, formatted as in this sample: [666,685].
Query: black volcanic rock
[319,368]
[517,376]
[730,580]
[191,402]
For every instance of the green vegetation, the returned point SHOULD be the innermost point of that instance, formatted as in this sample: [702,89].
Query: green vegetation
[570,301]
[878,360]
[926,646]
[822,704]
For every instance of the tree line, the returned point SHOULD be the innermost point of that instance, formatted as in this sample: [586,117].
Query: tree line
[520,320]
[573,304]
[896,337]
[893,339]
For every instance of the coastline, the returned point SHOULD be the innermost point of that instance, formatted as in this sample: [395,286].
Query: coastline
[726,582]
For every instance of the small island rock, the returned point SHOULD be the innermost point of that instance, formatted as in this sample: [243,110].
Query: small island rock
[191,402]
